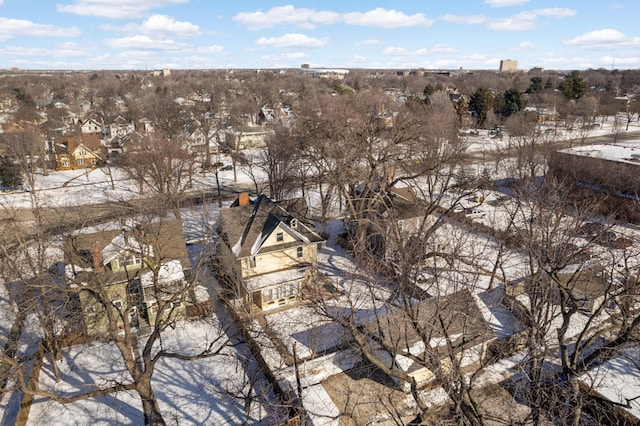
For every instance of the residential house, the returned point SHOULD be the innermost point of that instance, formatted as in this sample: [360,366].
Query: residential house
[119,127]
[146,125]
[85,105]
[397,216]
[91,126]
[143,265]
[249,137]
[130,142]
[196,143]
[267,251]
[436,332]
[77,152]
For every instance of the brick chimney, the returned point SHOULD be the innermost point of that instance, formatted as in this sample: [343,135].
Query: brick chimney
[243,198]
[96,258]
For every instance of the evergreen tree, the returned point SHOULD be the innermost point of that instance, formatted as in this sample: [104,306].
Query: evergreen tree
[573,86]
[480,103]
[536,85]
[10,174]
[511,102]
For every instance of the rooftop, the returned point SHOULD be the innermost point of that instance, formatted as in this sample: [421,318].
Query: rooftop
[629,152]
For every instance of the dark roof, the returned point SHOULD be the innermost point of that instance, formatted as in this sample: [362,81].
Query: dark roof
[456,315]
[246,224]
[404,204]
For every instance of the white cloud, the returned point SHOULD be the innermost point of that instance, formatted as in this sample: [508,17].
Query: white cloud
[159,25]
[214,48]
[293,41]
[526,45]
[512,24]
[436,49]
[604,39]
[310,18]
[286,15]
[387,19]
[525,21]
[505,3]
[36,52]
[143,42]
[464,19]
[630,61]
[10,28]
[359,59]
[284,57]
[397,51]
[118,9]
[368,42]
[556,12]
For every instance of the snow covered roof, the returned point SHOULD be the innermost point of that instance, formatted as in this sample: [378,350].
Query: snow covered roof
[123,243]
[275,278]
[629,152]
[169,271]
[617,380]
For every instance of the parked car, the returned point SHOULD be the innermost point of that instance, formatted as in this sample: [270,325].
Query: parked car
[227,167]
[474,213]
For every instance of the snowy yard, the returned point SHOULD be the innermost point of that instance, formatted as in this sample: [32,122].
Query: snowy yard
[205,391]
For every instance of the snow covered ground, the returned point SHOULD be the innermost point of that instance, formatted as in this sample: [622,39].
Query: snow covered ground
[199,392]
[205,391]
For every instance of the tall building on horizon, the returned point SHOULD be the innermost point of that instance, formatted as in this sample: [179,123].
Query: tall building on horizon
[508,65]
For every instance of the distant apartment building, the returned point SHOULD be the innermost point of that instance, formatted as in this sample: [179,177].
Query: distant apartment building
[508,65]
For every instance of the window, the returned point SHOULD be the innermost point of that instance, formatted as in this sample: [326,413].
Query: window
[172,287]
[285,290]
[280,237]
[81,161]
[64,163]
[130,260]
[117,304]
[153,307]
[294,223]
[300,252]
[252,262]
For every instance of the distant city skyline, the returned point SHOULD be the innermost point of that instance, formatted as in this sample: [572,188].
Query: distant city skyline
[202,34]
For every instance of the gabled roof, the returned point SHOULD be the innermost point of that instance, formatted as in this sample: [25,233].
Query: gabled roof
[164,241]
[455,316]
[246,227]
[122,243]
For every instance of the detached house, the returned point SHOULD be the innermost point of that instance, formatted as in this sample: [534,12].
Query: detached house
[139,268]
[425,338]
[91,126]
[267,250]
[77,152]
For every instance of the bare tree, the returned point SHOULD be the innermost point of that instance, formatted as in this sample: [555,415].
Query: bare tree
[121,317]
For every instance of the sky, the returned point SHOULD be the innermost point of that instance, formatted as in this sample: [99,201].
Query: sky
[204,34]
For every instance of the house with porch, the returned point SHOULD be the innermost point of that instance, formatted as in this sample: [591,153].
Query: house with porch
[267,251]
[141,269]
[77,152]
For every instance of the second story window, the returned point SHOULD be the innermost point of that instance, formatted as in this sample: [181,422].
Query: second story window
[300,252]
[280,237]
[252,262]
